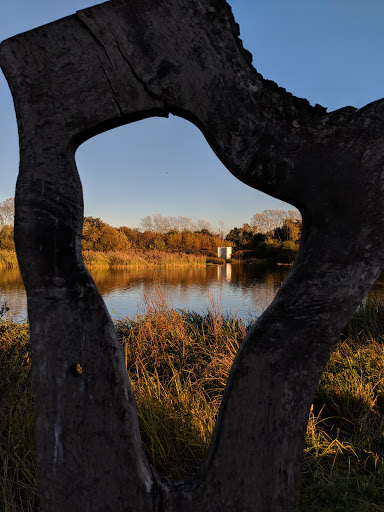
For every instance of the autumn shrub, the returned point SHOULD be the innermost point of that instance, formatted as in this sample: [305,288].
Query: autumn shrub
[100,236]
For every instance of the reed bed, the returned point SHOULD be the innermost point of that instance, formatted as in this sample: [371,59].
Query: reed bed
[8,259]
[139,258]
[178,362]
[118,259]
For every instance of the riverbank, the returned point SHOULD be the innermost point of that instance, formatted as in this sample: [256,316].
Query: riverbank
[178,362]
[127,259]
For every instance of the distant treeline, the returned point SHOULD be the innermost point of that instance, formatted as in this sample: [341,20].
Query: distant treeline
[272,234]
[100,236]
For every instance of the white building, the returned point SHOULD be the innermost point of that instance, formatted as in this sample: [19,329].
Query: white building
[224,252]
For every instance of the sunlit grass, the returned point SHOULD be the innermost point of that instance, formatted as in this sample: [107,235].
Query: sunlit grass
[343,464]
[139,258]
[118,259]
[8,259]
[178,362]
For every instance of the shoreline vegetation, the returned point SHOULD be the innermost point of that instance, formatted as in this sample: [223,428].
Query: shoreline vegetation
[137,258]
[272,237]
[178,362]
[140,258]
[8,259]
[126,259]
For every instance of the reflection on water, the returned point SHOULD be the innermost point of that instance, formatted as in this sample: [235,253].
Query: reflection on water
[242,288]
[12,292]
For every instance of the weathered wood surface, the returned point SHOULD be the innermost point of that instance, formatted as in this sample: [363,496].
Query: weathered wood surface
[119,62]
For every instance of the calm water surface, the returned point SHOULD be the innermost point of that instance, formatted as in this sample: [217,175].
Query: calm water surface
[243,289]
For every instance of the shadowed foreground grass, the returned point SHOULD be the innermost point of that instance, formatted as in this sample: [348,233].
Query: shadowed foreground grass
[178,362]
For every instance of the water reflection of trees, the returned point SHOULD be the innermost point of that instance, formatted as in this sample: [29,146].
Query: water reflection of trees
[239,275]
[12,292]
[112,280]
[10,279]
[259,282]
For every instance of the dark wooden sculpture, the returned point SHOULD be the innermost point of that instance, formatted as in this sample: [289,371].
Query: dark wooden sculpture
[119,62]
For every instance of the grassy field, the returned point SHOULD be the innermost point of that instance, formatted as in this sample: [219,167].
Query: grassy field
[178,362]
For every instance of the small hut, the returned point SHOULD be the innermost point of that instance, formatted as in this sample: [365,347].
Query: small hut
[224,252]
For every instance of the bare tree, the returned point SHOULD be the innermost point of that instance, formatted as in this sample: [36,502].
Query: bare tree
[147,223]
[162,223]
[268,220]
[294,215]
[221,229]
[139,59]
[7,211]
[204,225]
[183,223]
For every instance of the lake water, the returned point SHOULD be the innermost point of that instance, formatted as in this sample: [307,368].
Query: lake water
[243,289]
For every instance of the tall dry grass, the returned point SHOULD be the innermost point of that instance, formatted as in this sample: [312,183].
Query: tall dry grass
[8,259]
[139,258]
[119,259]
[178,362]
[343,463]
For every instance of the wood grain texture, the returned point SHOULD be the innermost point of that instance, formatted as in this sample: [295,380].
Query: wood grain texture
[119,62]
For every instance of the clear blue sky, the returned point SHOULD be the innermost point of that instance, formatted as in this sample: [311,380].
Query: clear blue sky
[330,52]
